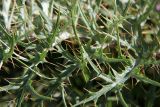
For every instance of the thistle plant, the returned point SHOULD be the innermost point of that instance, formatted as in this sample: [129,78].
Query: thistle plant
[69,53]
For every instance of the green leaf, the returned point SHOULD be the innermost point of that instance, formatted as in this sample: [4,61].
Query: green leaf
[9,87]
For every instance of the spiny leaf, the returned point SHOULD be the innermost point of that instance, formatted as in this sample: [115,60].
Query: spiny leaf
[97,94]
[35,93]
[146,79]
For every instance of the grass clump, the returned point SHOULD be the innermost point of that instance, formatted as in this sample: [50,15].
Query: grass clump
[79,53]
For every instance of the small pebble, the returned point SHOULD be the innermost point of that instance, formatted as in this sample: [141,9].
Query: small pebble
[158,7]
